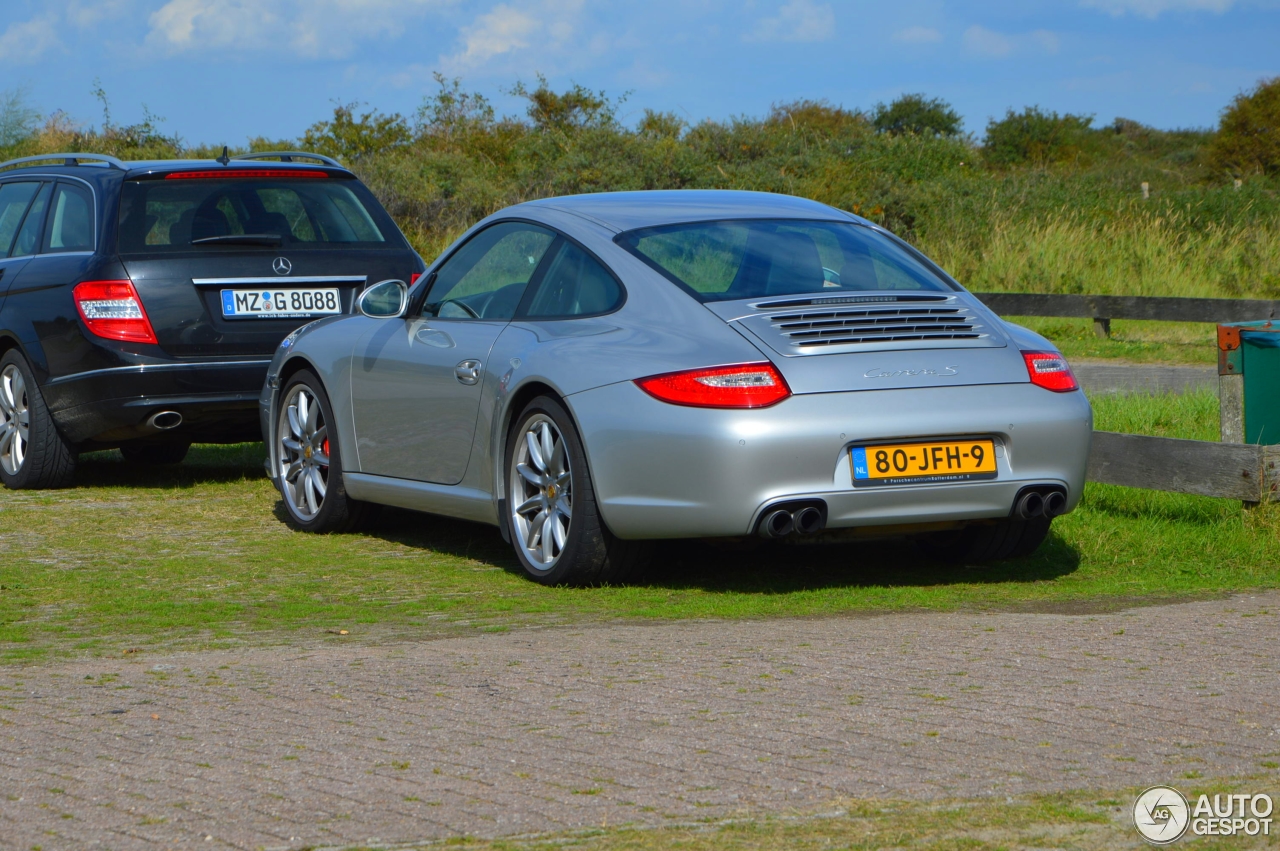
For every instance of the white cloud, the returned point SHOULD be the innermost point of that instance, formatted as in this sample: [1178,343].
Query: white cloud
[308,28]
[984,42]
[501,31]
[182,25]
[1154,8]
[26,41]
[511,29]
[989,44]
[87,13]
[798,20]
[918,35]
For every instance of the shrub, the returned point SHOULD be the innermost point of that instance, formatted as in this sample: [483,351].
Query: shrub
[817,116]
[661,125]
[452,113]
[1036,137]
[17,119]
[918,115]
[1248,140]
[348,138]
[576,108]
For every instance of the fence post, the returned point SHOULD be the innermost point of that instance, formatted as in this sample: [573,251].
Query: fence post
[1230,385]
[1102,327]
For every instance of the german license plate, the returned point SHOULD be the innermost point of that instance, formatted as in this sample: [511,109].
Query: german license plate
[280,304]
[923,463]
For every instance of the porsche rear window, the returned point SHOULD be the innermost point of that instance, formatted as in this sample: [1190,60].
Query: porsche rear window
[168,215]
[725,260]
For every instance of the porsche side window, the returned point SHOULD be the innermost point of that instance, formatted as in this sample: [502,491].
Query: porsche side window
[574,285]
[486,278]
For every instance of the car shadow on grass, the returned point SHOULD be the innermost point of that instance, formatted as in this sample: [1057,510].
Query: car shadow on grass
[204,464]
[747,565]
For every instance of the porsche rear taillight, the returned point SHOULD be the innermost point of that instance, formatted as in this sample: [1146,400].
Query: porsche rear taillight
[1050,371]
[112,310]
[751,385]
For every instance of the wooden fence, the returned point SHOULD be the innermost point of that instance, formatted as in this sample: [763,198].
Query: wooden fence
[1231,470]
[1103,308]
[1243,471]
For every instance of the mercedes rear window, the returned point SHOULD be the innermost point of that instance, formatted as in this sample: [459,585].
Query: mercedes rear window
[184,215]
[725,260]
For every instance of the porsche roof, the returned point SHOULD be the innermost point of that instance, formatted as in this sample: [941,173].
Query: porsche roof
[623,211]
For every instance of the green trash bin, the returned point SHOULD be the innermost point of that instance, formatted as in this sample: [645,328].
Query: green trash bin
[1249,381]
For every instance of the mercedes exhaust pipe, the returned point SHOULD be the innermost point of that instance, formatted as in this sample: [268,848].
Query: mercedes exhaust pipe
[165,420]
[777,524]
[1055,503]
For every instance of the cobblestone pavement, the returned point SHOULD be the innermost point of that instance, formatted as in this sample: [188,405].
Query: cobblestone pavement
[550,729]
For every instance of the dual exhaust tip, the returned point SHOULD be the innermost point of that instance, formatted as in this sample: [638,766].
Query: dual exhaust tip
[1036,503]
[781,522]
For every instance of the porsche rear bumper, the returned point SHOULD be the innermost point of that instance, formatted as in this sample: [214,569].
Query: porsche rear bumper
[665,471]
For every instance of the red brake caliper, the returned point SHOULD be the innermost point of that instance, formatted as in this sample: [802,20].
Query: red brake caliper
[326,450]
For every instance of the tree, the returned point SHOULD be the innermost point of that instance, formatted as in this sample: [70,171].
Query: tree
[1248,139]
[452,112]
[816,115]
[1035,136]
[575,109]
[917,115]
[349,138]
[661,125]
[18,120]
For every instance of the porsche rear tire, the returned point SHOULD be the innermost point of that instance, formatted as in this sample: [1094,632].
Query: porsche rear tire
[551,513]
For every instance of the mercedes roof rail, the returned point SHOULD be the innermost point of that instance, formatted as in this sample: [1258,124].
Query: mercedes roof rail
[288,156]
[68,160]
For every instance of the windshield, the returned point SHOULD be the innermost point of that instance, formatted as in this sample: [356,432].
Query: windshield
[170,215]
[720,261]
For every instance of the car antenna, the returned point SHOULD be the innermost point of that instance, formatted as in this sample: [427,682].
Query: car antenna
[224,159]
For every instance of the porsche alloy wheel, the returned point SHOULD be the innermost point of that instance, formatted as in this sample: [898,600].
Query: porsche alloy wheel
[308,469]
[541,492]
[304,452]
[559,536]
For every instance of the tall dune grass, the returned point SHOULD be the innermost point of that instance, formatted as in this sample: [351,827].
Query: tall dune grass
[1067,227]
[1128,253]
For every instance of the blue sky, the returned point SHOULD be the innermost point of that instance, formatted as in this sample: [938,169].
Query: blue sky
[219,71]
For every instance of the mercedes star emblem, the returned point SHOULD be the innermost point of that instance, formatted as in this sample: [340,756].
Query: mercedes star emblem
[282,266]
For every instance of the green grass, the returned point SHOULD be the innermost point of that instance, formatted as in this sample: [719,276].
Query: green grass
[1193,416]
[1132,341]
[1083,820]
[197,555]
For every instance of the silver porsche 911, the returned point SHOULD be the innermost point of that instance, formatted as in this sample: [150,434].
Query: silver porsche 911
[596,372]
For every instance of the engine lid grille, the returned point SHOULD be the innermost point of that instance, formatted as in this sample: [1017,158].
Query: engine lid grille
[864,323]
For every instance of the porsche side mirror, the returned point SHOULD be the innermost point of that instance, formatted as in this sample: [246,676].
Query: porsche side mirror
[384,300]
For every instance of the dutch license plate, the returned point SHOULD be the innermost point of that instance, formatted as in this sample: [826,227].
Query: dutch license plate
[280,304]
[936,462]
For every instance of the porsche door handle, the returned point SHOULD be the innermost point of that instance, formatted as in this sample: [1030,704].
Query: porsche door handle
[467,372]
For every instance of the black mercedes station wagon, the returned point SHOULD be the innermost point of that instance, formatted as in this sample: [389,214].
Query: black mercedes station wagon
[140,302]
